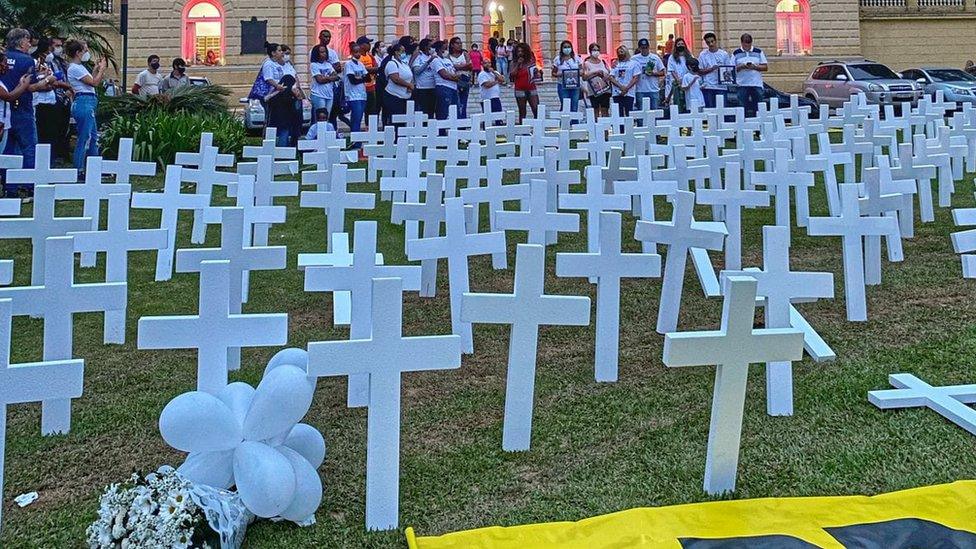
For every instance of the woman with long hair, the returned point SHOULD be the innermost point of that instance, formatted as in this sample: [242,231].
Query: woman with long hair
[596,74]
[83,109]
[462,68]
[677,68]
[624,78]
[279,105]
[522,75]
[445,80]
[566,70]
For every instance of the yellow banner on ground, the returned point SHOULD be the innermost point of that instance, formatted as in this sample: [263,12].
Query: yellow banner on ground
[941,516]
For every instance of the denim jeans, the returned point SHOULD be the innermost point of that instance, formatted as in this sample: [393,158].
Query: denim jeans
[445,97]
[83,111]
[651,99]
[356,110]
[424,101]
[393,106]
[463,101]
[503,67]
[749,98]
[626,104]
[710,95]
[283,137]
[573,95]
[319,103]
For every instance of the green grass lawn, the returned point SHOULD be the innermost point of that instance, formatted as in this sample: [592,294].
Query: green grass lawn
[596,448]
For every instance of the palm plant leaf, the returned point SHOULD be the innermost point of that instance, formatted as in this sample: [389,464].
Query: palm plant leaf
[65,18]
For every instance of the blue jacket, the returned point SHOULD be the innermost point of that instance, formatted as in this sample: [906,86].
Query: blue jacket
[19,64]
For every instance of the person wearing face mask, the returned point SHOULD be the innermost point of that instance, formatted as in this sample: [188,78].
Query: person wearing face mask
[399,83]
[324,78]
[596,74]
[378,54]
[22,131]
[623,79]
[649,83]
[355,77]
[63,94]
[46,109]
[83,109]
[147,83]
[566,71]
[462,68]
[177,78]
[7,97]
[297,113]
[677,67]
[445,80]
[422,63]
[279,104]
[372,67]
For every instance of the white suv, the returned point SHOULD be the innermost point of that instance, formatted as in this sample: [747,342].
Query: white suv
[834,83]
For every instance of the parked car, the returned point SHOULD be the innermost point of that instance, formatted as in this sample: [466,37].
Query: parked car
[199,81]
[833,83]
[956,84]
[769,92]
[254,115]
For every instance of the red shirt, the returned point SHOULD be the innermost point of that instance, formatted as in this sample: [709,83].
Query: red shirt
[476,60]
[523,79]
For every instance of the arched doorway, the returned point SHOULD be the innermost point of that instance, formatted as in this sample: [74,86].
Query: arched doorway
[589,23]
[339,18]
[425,18]
[793,36]
[203,33]
[674,18]
[499,17]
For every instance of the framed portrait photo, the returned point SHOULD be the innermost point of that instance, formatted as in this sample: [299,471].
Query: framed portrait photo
[726,75]
[570,79]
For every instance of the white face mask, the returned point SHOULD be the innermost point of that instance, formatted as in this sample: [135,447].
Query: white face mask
[287,58]
[59,51]
[86,57]
[595,53]
[49,59]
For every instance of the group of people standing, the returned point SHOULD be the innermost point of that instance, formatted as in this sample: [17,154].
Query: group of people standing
[644,78]
[43,82]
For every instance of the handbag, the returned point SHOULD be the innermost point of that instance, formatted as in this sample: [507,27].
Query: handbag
[260,89]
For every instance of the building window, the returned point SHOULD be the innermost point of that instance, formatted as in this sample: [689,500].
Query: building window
[590,24]
[673,19]
[203,33]
[339,18]
[793,36]
[425,19]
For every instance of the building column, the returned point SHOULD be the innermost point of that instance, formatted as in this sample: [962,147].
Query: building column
[545,30]
[477,24]
[371,27]
[460,21]
[301,36]
[390,29]
[624,25]
[644,22]
[561,26]
[707,17]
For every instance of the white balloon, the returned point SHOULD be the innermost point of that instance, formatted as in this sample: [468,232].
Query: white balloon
[199,422]
[292,356]
[265,479]
[281,400]
[210,468]
[308,488]
[237,396]
[307,441]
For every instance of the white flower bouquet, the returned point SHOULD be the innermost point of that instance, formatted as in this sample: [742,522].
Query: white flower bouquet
[164,509]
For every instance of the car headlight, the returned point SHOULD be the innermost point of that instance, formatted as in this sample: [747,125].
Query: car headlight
[961,91]
[875,88]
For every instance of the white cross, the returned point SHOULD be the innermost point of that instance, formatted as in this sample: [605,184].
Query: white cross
[267,188]
[169,202]
[825,162]
[206,175]
[964,242]
[356,278]
[337,200]
[608,266]
[593,201]
[41,173]
[56,300]
[557,181]
[340,256]
[682,172]
[495,194]
[731,349]
[406,188]
[732,198]
[950,402]
[123,167]
[779,286]
[117,240]
[31,382]
[779,180]
[642,192]
[324,139]
[8,207]
[91,192]
[321,177]
[214,330]
[922,174]
[536,220]
[42,225]
[749,153]
[472,172]
[852,228]
[567,153]
[525,160]
[431,213]
[885,196]
[382,357]
[11,161]
[268,148]
[188,159]
[457,246]
[525,310]
[681,234]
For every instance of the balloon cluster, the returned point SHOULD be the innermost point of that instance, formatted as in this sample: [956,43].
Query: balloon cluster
[250,438]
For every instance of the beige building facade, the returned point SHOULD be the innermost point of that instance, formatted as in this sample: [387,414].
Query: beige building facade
[221,38]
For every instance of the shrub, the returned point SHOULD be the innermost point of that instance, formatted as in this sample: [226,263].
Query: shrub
[159,135]
[185,99]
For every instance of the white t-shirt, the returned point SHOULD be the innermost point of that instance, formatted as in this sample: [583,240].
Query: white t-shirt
[325,91]
[488,93]
[624,72]
[691,83]
[401,69]
[149,82]
[288,68]
[647,83]
[502,51]
[749,77]
[424,79]
[77,71]
[570,63]
[354,92]
[440,64]
[271,70]
[707,60]
[4,111]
